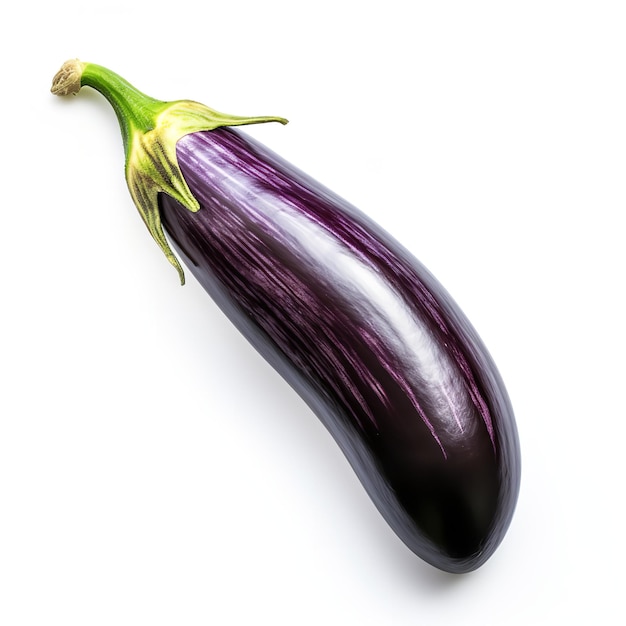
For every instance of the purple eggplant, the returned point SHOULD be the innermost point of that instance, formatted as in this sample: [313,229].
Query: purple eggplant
[351,319]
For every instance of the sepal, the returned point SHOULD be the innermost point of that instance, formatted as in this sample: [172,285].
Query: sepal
[152,165]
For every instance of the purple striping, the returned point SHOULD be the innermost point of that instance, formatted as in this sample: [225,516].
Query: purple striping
[219,160]
[362,331]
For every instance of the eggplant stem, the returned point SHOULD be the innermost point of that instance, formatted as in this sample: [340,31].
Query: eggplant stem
[150,131]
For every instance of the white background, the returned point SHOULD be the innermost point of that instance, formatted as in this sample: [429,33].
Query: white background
[153,469]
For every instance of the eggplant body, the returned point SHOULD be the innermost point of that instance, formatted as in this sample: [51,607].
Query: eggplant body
[366,336]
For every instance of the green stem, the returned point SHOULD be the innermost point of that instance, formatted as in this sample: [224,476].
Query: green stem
[135,111]
[150,130]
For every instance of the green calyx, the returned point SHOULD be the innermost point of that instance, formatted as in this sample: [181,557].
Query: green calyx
[150,130]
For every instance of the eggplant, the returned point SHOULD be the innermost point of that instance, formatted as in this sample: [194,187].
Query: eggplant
[362,331]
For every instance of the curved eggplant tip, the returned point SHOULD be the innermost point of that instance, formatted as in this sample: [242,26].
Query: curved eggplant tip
[67,81]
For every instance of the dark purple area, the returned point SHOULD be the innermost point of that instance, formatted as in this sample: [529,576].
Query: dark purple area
[365,334]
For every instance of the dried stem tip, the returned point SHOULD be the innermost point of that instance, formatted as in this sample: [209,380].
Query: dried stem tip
[67,79]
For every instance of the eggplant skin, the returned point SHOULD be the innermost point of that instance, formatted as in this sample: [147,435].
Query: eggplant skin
[367,337]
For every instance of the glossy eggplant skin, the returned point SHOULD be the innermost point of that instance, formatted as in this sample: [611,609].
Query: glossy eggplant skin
[367,337]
